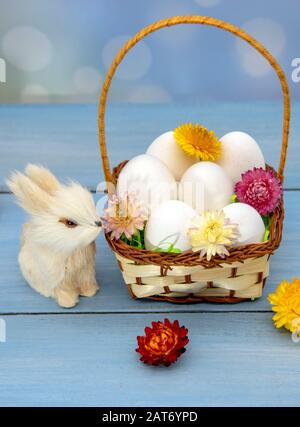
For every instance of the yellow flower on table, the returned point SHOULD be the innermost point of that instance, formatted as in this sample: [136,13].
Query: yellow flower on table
[198,141]
[286,304]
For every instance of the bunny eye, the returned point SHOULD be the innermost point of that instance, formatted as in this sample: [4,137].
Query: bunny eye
[68,222]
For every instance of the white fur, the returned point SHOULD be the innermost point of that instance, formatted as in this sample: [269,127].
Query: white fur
[57,261]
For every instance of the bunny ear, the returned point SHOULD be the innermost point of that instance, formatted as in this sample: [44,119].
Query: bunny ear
[29,195]
[42,177]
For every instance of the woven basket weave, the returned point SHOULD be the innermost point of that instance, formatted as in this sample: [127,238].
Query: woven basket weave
[186,277]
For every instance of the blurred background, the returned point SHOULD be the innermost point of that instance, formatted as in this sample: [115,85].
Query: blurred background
[59,50]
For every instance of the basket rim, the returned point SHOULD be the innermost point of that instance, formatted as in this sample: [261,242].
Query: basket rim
[190,258]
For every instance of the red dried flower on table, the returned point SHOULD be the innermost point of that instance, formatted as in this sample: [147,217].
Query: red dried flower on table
[163,343]
[260,189]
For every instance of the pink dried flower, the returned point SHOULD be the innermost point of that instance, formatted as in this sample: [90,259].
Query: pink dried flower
[260,189]
[124,215]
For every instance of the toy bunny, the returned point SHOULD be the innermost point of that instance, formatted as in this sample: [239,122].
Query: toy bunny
[57,254]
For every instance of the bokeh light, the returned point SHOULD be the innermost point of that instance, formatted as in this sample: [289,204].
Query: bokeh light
[67,49]
[87,80]
[136,63]
[149,94]
[27,48]
[271,35]
[35,93]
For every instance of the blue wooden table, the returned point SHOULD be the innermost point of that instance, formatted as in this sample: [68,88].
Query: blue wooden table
[85,355]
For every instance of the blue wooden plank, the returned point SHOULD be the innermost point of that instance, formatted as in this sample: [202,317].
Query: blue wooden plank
[17,296]
[64,137]
[233,359]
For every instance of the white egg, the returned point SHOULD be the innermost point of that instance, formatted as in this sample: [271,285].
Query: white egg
[250,224]
[168,225]
[205,186]
[149,179]
[166,149]
[240,152]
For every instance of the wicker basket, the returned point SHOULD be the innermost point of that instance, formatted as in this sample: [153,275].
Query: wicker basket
[186,277]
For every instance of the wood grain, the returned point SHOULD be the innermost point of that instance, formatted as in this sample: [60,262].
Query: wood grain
[17,296]
[85,356]
[64,137]
[232,359]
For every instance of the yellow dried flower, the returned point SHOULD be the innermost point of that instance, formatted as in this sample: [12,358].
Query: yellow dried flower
[286,304]
[211,233]
[198,141]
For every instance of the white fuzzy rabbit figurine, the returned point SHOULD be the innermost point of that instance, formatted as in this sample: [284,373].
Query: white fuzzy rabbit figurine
[57,255]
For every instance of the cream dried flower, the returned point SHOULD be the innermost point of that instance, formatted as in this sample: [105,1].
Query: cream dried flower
[211,233]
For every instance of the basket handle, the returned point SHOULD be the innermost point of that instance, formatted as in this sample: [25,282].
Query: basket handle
[205,20]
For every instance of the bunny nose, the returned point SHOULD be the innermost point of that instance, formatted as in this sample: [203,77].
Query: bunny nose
[98,223]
